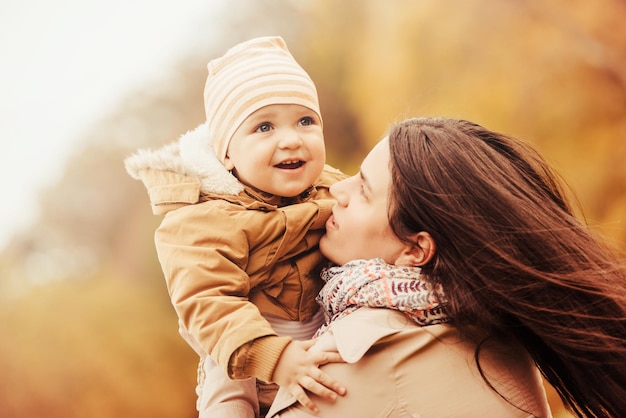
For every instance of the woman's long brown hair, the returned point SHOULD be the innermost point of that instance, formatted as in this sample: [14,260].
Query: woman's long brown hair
[512,256]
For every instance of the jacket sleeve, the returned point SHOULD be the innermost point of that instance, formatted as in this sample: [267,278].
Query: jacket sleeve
[204,253]
[203,258]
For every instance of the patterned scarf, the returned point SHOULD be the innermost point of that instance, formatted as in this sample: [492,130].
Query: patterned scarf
[376,284]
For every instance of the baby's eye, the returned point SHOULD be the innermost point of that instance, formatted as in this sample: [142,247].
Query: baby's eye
[264,127]
[306,121]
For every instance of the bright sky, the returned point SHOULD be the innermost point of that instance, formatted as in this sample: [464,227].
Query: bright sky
[65,63]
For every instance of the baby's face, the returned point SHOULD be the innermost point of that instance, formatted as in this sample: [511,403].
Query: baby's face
[278,149]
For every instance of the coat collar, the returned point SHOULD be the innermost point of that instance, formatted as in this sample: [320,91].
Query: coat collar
[188,157]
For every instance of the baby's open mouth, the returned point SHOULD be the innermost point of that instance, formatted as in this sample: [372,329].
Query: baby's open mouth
[290,165]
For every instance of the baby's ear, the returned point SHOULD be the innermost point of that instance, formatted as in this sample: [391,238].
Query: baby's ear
[228,163]
[420,253]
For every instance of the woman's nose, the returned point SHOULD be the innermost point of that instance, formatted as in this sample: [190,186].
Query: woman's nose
[339,192]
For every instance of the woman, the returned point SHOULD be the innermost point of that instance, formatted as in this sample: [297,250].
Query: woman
[528,289]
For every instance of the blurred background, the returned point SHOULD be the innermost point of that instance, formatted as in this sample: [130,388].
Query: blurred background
[88,329]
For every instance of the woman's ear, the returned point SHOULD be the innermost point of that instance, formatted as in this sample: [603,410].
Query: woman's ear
[420,253]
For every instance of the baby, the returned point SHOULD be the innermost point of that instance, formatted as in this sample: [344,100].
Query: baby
[245,197]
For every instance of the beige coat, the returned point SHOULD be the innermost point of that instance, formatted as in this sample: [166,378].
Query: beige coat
[230,253]
[398,369]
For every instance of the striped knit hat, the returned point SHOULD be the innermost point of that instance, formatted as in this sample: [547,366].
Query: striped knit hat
[251,75]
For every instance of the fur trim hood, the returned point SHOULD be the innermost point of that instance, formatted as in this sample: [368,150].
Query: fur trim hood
[190,158]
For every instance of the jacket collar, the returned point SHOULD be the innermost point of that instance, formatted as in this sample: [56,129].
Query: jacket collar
[278,201]
[188,157]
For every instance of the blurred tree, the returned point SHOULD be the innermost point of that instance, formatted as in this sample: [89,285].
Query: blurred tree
[552,74]
[94,348]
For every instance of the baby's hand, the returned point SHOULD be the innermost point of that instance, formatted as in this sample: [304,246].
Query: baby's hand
[298,369]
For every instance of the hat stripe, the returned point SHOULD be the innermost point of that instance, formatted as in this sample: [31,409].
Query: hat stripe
[262,85]
[249,71]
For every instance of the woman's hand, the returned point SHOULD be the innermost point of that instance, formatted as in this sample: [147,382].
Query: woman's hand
[298,369]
